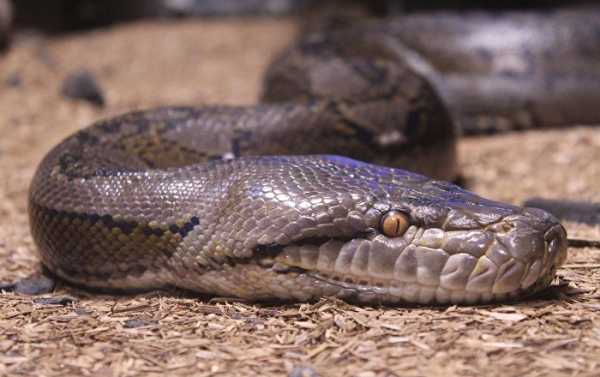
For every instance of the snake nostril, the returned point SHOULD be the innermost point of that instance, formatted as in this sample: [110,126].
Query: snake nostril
[555,231]
[556,238]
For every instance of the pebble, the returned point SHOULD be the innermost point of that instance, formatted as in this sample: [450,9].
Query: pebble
[35,284]
[134,323]
[303,371]
[82,85]
[57,300]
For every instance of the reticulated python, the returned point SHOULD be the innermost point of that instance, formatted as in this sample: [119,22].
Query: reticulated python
[241,201]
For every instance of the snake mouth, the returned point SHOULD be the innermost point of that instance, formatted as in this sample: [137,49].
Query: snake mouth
[308,254]
[430,266]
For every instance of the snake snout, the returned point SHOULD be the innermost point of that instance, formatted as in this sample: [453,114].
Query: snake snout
[554,235]
[536,244]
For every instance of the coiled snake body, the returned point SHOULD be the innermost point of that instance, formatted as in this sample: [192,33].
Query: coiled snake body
[240,201]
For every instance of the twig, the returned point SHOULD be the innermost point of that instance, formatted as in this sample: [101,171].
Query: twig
[578,242]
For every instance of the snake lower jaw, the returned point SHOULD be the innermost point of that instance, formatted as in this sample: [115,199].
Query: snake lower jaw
[349,271]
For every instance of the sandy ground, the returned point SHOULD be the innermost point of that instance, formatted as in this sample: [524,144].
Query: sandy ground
[150,64]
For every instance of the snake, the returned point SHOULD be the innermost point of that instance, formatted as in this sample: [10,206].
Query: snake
[338,182]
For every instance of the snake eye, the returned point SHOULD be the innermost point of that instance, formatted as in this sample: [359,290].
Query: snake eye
[394,224]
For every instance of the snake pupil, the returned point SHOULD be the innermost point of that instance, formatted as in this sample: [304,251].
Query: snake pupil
[394,224]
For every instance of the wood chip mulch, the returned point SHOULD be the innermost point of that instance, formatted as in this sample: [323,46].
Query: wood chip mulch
[77,333]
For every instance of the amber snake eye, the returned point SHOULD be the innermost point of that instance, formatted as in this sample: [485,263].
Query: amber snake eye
[394,223]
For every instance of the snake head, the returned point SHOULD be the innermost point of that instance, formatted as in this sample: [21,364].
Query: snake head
[332,226]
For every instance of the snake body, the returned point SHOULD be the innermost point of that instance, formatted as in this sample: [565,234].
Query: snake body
[241,201]
[494,71]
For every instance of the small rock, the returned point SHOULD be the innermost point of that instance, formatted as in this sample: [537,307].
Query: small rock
[35,284]
[303,371]
[8,287]
[82,311]
[58,300]
[82,85]
[134,323]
